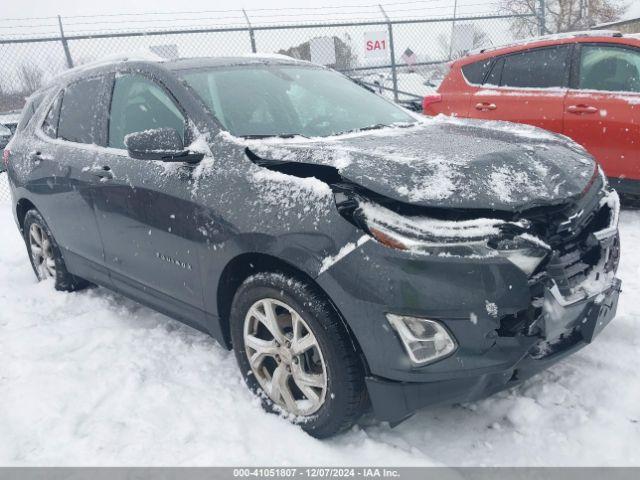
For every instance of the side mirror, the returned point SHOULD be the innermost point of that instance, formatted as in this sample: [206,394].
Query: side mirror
[163,144]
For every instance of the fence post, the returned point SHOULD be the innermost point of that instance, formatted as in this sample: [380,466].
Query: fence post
[542,21]
[394,74]
[453,28]
[252,37]
[65,45]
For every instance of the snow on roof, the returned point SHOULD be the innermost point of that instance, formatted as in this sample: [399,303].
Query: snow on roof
[9,117]
[554,36]
[137,56]
[617,22]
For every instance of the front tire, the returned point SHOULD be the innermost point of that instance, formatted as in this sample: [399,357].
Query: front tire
[44,254]
[296,355]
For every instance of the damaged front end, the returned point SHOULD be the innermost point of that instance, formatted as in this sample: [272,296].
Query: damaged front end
[452,304]
[569,253]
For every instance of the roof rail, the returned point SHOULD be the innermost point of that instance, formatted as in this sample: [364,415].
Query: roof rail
[554,36]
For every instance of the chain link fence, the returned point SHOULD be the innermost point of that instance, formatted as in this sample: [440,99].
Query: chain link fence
[401,58]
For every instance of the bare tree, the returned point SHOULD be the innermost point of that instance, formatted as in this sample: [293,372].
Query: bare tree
[474,37]
[561,15]
[30,77]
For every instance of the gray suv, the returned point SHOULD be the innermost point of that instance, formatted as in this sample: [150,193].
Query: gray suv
[356,257]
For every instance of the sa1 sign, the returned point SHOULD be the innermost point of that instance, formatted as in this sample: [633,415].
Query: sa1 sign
[376,44]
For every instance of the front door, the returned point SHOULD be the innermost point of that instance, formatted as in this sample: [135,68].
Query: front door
[602,111]
[144,208]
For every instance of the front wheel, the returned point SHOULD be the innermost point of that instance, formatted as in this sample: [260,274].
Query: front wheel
[295,353]
[45,256]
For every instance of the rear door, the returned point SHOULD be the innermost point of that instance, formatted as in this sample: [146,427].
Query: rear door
[526,87]
[145,209]
[602,110]
[63,148]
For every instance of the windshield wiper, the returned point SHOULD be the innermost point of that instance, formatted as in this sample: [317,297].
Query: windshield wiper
[283,135]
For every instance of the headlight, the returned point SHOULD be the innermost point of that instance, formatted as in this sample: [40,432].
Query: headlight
[476,238]
[424,340]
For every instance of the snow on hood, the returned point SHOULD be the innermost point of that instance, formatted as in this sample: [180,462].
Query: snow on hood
[446,162]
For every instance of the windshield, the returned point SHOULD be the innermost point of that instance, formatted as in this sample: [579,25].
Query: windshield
[286,100]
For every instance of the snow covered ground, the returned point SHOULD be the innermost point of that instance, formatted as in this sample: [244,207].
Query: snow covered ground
[93,378]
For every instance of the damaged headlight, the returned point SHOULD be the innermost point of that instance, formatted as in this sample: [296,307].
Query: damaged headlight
[477,238]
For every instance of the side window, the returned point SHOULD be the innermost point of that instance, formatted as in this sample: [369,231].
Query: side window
[540,68]
[80,108]
[609,68]
[476,71]
[139,104]
[50,123]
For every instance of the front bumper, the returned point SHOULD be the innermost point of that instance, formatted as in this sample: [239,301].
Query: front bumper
[507,326]
[396,401]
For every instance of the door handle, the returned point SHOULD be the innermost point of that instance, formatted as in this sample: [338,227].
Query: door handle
[103,173]
[486,106]
[580,109]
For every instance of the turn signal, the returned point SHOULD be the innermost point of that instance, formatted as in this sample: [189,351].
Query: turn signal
[386,239]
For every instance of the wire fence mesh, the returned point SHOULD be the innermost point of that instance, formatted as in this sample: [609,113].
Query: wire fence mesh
[402,58]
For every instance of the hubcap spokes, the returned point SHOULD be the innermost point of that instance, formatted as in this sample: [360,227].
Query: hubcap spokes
[41,252]
[285,357]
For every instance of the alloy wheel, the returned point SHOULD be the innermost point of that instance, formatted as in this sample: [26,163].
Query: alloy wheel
[41,252]
[285,357]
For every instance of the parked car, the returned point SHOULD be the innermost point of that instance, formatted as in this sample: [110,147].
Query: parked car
[5,135]
[585,85]
[10,119]
[354,256]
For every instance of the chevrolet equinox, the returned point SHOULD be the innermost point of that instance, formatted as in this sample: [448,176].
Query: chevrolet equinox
[355,257]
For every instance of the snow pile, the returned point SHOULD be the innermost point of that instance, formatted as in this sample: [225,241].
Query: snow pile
[91,378]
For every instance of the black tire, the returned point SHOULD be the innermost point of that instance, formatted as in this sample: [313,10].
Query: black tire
[64,281]
[345,397]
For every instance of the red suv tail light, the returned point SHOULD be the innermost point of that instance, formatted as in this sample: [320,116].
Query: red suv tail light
[5,157]
[430,100]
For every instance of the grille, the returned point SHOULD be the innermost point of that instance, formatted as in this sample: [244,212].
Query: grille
[576,250]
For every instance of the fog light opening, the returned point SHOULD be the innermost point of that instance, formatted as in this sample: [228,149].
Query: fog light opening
[424,340]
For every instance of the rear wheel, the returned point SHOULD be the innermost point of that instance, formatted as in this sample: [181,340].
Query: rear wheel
[294,353]
[45,256]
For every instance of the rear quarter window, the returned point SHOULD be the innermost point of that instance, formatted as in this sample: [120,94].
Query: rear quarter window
[29,110]
[50,123]
[476,72]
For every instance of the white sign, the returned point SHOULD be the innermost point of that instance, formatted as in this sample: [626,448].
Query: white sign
[462,41]
[323,50]
[376,44]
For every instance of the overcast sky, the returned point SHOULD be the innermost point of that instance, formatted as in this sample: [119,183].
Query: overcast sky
[39,8]
[261,11]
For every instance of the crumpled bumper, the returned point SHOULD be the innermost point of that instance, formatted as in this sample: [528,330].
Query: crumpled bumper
[395,401]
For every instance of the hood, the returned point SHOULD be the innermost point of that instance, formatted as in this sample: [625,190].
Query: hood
[448,163]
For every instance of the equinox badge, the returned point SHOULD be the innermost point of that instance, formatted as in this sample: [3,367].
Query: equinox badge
[173,261]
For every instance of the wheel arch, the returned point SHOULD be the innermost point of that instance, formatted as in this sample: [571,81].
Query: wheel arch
[243,266]
[22,207]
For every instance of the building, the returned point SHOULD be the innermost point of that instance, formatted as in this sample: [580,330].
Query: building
[631,25]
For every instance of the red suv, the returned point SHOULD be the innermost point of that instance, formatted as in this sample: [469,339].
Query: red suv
[585,85]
